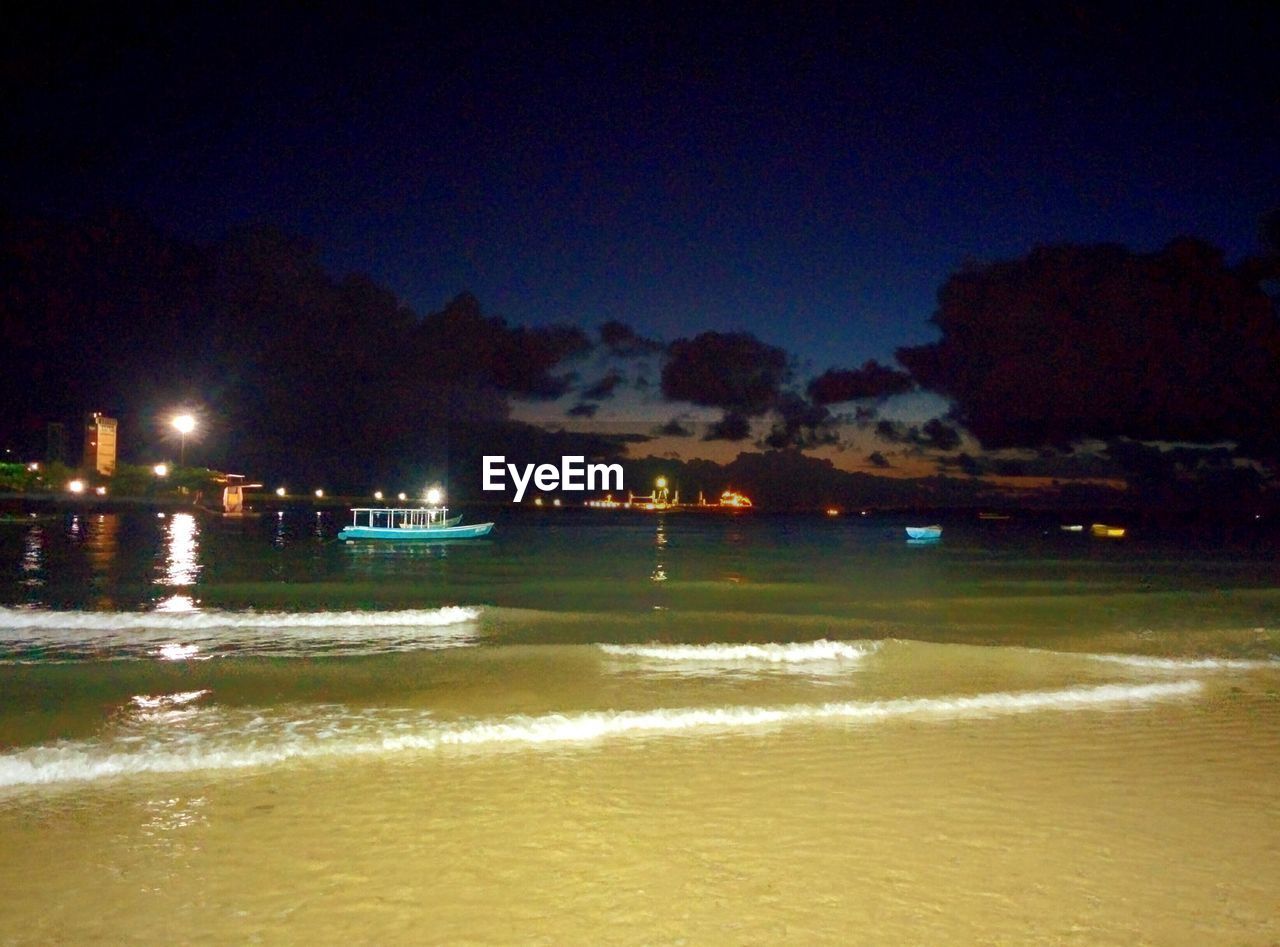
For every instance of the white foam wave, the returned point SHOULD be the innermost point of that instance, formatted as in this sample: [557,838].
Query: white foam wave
[795,653]
[51,636]
[1188,664]
[30,618]
[218,739]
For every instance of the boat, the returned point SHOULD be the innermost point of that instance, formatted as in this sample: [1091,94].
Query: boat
[1072,527]
[1103,531]
[924,532]
[402,524]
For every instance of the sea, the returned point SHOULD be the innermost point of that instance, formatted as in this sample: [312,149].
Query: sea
[619,727]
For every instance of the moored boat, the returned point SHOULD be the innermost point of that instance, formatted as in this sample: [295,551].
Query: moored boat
[400,524]
[1103,531]
[924,532]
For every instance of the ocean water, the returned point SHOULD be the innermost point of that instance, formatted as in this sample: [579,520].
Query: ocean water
[602,727]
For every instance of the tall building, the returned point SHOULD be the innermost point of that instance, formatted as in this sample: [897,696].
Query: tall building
[100,443]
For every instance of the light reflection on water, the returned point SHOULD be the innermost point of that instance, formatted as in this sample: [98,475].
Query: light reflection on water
[182,551]
[659,573]
[33,557]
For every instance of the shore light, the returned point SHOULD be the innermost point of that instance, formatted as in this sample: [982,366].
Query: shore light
[377,494]
[434,496]
[76,486]
[100,491]
[184,424]
[319,494]
[401,497]
[661,483]
[279,491]
[160,470]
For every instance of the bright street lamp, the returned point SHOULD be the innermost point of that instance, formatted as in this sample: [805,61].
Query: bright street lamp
[185,424]
[160,470]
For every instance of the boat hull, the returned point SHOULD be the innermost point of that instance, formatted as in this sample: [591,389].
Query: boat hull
[410,534]
[924,532]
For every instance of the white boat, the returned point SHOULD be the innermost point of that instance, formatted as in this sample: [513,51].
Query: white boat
[924,532]
[401,524]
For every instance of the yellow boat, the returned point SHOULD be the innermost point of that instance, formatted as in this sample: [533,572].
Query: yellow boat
[1103,531]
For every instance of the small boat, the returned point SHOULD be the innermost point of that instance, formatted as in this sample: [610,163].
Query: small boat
[924,532]
[1072,527]
[401,524]
[1103,531]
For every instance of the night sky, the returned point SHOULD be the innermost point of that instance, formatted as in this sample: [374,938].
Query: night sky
[810,176]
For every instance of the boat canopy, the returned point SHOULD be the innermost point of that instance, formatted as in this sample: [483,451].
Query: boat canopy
[381,517]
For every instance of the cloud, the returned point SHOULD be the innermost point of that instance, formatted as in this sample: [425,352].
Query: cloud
[877,459]
[731,427]
[800,424]
[622,340]
[1076,342]
[871,381]
[674,428]
[583,410]
[518,360]
[602,388]
[734,371]
[933,435]
[966,463]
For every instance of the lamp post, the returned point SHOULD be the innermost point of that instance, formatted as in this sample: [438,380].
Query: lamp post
[185,424]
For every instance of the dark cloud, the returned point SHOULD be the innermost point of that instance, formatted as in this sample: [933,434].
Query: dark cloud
[518,360]
[731,427]
[602,388]
[966,463]
[800,424]
[734,371]
[1075,342]
[871,381]
[674,428]
[583,410]
[933,435]
[620,339]
[877,459]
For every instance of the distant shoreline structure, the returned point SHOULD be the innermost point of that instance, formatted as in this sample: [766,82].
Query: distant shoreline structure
[660,500]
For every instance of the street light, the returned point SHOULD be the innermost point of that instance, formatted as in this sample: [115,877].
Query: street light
[185,424]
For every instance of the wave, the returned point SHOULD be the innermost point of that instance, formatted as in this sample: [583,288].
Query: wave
[1189,664]
[795,653]
[31,635]
[178,736]
[24,618]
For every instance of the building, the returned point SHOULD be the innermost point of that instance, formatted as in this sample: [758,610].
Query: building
[100,444]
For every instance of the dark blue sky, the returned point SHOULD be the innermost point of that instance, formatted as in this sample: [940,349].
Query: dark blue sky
[811,177]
